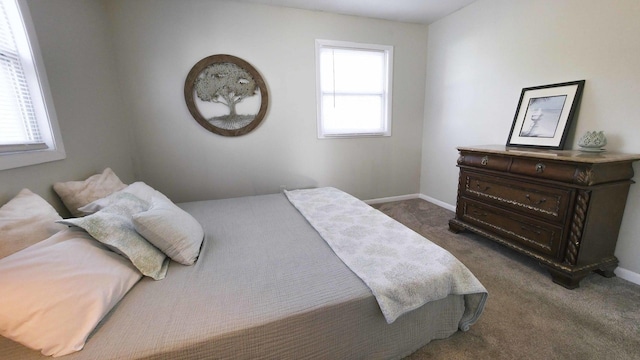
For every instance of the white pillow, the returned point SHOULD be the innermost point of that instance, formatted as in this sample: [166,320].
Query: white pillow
[75,194]
[113,227]
[25,220]
[55,292]
[139,189]
[170,229]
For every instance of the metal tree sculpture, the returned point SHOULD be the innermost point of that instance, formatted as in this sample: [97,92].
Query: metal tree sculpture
[227,80]
[227,84]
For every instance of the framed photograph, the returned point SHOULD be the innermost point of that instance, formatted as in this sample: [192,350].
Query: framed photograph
[226,95]
[544,115]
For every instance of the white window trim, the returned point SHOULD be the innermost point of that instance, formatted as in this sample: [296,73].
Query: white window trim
[388,50]
[14,156]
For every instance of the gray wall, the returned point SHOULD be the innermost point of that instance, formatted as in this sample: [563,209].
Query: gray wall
[117,68]
[158,41]
[481,57]
[76,47]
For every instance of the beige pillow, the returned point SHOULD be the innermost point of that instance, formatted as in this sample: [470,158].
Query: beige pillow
[170,229]
[54,293]
[25,220]
[75,194]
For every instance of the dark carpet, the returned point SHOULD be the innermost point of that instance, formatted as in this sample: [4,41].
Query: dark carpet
[527,316]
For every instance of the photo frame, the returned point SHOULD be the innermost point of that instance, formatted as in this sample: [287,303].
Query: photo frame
[226,95]
[544,115]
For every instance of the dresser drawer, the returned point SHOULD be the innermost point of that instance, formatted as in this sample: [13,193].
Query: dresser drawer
[548,169]
[529,233]
[544,168]
[485,161]
[529,198]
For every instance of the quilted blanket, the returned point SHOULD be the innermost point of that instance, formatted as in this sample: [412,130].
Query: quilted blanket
[403,269]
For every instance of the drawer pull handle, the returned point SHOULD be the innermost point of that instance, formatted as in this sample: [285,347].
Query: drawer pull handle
[537,232]
[541,201]
[479,213]
[540,168]
[484,161]
[478,187]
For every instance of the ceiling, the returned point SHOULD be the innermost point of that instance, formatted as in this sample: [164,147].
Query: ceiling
[415,11]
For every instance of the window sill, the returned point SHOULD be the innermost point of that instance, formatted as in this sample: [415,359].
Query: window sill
[27,158]
[354,135]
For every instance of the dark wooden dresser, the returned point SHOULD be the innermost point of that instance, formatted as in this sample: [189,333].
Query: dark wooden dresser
[562,208]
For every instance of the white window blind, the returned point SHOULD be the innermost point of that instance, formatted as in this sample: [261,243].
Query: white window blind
[354,89]
[28,127]
[19,124]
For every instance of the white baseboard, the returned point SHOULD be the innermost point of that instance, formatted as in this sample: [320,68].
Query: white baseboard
[620,272]
[628,275]
[438,202]
[392,198]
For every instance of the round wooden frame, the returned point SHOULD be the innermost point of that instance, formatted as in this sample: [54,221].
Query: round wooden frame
[189,95]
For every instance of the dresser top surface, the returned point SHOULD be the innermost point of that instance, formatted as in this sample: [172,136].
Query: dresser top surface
[560,155]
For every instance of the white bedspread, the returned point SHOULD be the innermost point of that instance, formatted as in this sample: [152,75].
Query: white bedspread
[402,268]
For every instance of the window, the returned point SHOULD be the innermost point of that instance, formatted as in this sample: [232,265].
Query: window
[29,132]
[354,89]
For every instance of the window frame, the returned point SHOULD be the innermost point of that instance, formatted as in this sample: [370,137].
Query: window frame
[52,148]
[386,95]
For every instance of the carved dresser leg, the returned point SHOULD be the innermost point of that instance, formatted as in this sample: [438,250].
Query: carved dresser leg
[454,228]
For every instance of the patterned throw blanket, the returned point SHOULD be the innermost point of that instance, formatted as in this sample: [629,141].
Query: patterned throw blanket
[402,268]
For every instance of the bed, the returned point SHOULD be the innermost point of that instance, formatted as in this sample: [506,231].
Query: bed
[265,285]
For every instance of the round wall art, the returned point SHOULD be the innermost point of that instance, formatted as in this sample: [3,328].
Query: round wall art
[226,95]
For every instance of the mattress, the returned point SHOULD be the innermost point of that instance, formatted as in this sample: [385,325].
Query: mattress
[266,285]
